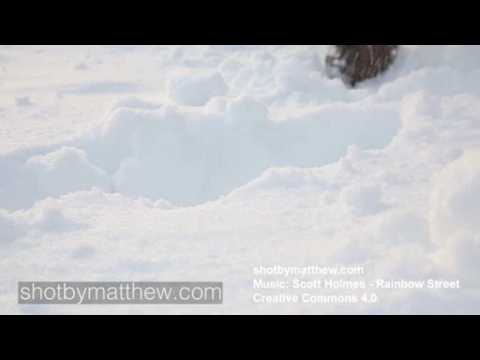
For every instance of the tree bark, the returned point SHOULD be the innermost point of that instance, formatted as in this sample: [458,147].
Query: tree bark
[356,63]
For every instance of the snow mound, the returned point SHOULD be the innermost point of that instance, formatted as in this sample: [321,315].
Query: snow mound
[9,230]
[65,170]
[192,156]
[189,156]
[45,217]
[196,89]
[49,217]
[363,199]
[454,210]
[456,195]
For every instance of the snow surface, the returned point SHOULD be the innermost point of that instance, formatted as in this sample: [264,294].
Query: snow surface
[181,163]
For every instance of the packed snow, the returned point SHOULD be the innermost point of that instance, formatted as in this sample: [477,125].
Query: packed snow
[194,163]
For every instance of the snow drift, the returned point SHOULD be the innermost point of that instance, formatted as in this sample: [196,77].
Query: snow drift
[189,156]
[251,156]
